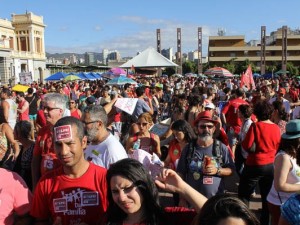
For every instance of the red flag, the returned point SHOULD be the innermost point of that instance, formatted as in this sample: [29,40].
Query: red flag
[247,79]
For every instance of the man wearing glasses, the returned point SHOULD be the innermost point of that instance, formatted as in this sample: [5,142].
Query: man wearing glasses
[44,157]
[103,149]
[204,162]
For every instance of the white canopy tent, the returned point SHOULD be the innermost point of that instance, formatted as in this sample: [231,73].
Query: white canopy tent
[149,58]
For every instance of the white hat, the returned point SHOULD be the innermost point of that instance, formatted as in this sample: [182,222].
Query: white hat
[210,105]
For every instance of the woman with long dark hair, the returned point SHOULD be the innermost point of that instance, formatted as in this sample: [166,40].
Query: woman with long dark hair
[133,196]
[183,134]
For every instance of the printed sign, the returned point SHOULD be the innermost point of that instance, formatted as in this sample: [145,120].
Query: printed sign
[60,205]
[25,78]
[63,132]
[126,104]
[90,199]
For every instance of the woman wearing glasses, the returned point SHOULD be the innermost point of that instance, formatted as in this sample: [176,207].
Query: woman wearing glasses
[147,141]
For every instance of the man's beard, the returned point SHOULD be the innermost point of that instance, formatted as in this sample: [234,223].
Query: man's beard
[205,136]
[92,134]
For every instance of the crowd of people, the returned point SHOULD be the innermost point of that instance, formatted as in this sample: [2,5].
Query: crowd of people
[66,152]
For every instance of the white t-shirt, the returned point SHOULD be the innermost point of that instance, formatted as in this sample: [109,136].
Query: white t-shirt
[285,102]
[107,152]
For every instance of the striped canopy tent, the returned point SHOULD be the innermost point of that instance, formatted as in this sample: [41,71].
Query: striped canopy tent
[218,72]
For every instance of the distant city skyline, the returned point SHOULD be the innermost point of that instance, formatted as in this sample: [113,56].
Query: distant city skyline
[130,26]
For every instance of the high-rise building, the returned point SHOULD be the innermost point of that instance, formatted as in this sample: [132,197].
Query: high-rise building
[89,58]
[168,53]
[221,49]
[73,59]
[105,53]
[114,55]
[192,56]
[22,48]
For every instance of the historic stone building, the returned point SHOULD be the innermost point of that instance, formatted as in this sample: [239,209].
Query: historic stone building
[22,48]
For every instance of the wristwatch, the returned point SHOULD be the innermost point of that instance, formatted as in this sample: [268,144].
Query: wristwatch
[219,171]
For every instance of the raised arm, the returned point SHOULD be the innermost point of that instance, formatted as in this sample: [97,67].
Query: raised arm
[169,180]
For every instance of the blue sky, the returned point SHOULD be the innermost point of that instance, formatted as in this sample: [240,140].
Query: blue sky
[130,26]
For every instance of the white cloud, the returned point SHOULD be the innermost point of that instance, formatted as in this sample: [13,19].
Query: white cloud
[130,44]
[98,28]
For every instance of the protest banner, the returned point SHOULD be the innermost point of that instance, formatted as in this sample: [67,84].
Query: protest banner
[126,104]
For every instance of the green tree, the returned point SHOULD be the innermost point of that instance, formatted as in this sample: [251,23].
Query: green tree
[292,69]
[188,67]
[169,71]
[273,67]
[242,66]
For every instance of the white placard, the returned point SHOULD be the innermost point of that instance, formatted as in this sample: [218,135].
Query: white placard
[126,104]
[25,78]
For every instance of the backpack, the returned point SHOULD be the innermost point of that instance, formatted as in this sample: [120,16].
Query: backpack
[216,151]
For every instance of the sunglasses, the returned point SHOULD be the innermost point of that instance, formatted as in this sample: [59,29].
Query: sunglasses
[72,102]
[47,108]
[142,124]
[206,126]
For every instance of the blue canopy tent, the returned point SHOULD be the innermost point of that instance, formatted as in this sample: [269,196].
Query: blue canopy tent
[89,76]
[86,76]
[95,75]
[57,76]
[81,75]
[269,76]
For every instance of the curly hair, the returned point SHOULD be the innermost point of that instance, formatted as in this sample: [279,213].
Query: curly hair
[185,127]
[263,110]
[135,172]
[223,206]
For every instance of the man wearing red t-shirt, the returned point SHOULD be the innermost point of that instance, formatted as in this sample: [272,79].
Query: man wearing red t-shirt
[230,116]
[76,192]
[44,158]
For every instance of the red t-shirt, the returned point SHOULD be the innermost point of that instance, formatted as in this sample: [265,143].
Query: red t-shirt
[231,113]
[75,114]
[24,115]
[75,200]
[267,139]
[45,147]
